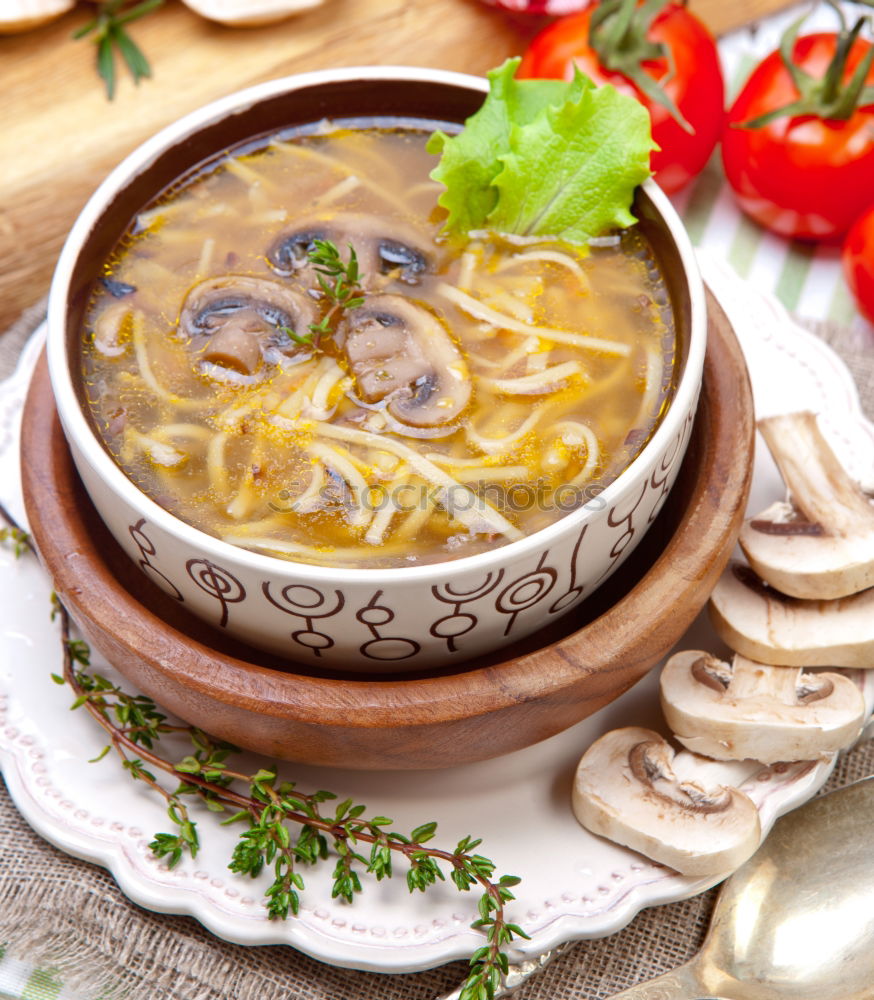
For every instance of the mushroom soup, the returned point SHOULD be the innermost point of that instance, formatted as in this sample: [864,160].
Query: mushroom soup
[458,397]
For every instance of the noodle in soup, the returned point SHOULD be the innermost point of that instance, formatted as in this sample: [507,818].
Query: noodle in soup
[474,394]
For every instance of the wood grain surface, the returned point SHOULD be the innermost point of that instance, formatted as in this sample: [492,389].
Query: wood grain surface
[59,136]
[490,706]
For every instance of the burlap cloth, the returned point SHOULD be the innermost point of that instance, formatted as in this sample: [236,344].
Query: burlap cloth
[58,911]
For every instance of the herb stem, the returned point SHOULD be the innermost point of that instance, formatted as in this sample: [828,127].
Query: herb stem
[119,737]
[269,809]
[110,34]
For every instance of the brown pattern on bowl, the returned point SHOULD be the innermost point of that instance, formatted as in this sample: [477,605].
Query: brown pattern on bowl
[493,705]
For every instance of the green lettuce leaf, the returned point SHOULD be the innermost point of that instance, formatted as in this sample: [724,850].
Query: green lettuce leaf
[470,161]
[545,158]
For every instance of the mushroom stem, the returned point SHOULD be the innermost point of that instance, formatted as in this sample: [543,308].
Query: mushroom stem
[751,680]
[819,485]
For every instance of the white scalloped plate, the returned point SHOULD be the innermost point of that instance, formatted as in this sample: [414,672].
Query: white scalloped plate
[574,885]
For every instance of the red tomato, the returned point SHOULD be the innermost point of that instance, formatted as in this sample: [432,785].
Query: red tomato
[804,177]
[858,260]
[696,88]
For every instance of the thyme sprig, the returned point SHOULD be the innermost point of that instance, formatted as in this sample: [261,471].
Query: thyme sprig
[287,828]
[340,284]
[111,36]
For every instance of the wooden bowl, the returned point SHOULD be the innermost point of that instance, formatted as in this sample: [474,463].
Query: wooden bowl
[489,707]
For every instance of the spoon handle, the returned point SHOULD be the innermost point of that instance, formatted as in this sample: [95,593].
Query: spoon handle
[680,984]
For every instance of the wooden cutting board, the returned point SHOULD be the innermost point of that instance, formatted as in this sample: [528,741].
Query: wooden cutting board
[59,136]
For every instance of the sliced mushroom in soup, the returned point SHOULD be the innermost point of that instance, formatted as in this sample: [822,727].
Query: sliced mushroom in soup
[384,247]
[238,322]
[401,354]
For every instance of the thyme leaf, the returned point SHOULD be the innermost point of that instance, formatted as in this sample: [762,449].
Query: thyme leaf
[110,36]
[12,534]
[342,292]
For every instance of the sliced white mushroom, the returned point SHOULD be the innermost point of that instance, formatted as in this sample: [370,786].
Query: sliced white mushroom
[112,328]
[400,352]
[626,789]
[22,15]
[249,13]
[751,710]
[382,246]
[236,321]
[158,452]
[759,622]
[821,544]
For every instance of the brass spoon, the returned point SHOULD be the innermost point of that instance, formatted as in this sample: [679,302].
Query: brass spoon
[796,922]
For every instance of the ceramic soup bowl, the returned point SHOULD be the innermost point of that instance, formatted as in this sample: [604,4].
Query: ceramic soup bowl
[376,620]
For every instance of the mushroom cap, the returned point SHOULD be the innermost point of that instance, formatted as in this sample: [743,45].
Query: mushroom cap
[821,545]
[765,625]
[399,351]
[236,320]
[809,566]
[22,15]
[249,13]
[751,710]
[382,245]
[626,789]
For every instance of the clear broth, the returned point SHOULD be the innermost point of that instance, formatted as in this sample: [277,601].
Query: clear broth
[568,356]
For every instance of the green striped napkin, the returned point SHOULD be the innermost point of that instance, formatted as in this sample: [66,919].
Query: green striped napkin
[21,981]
